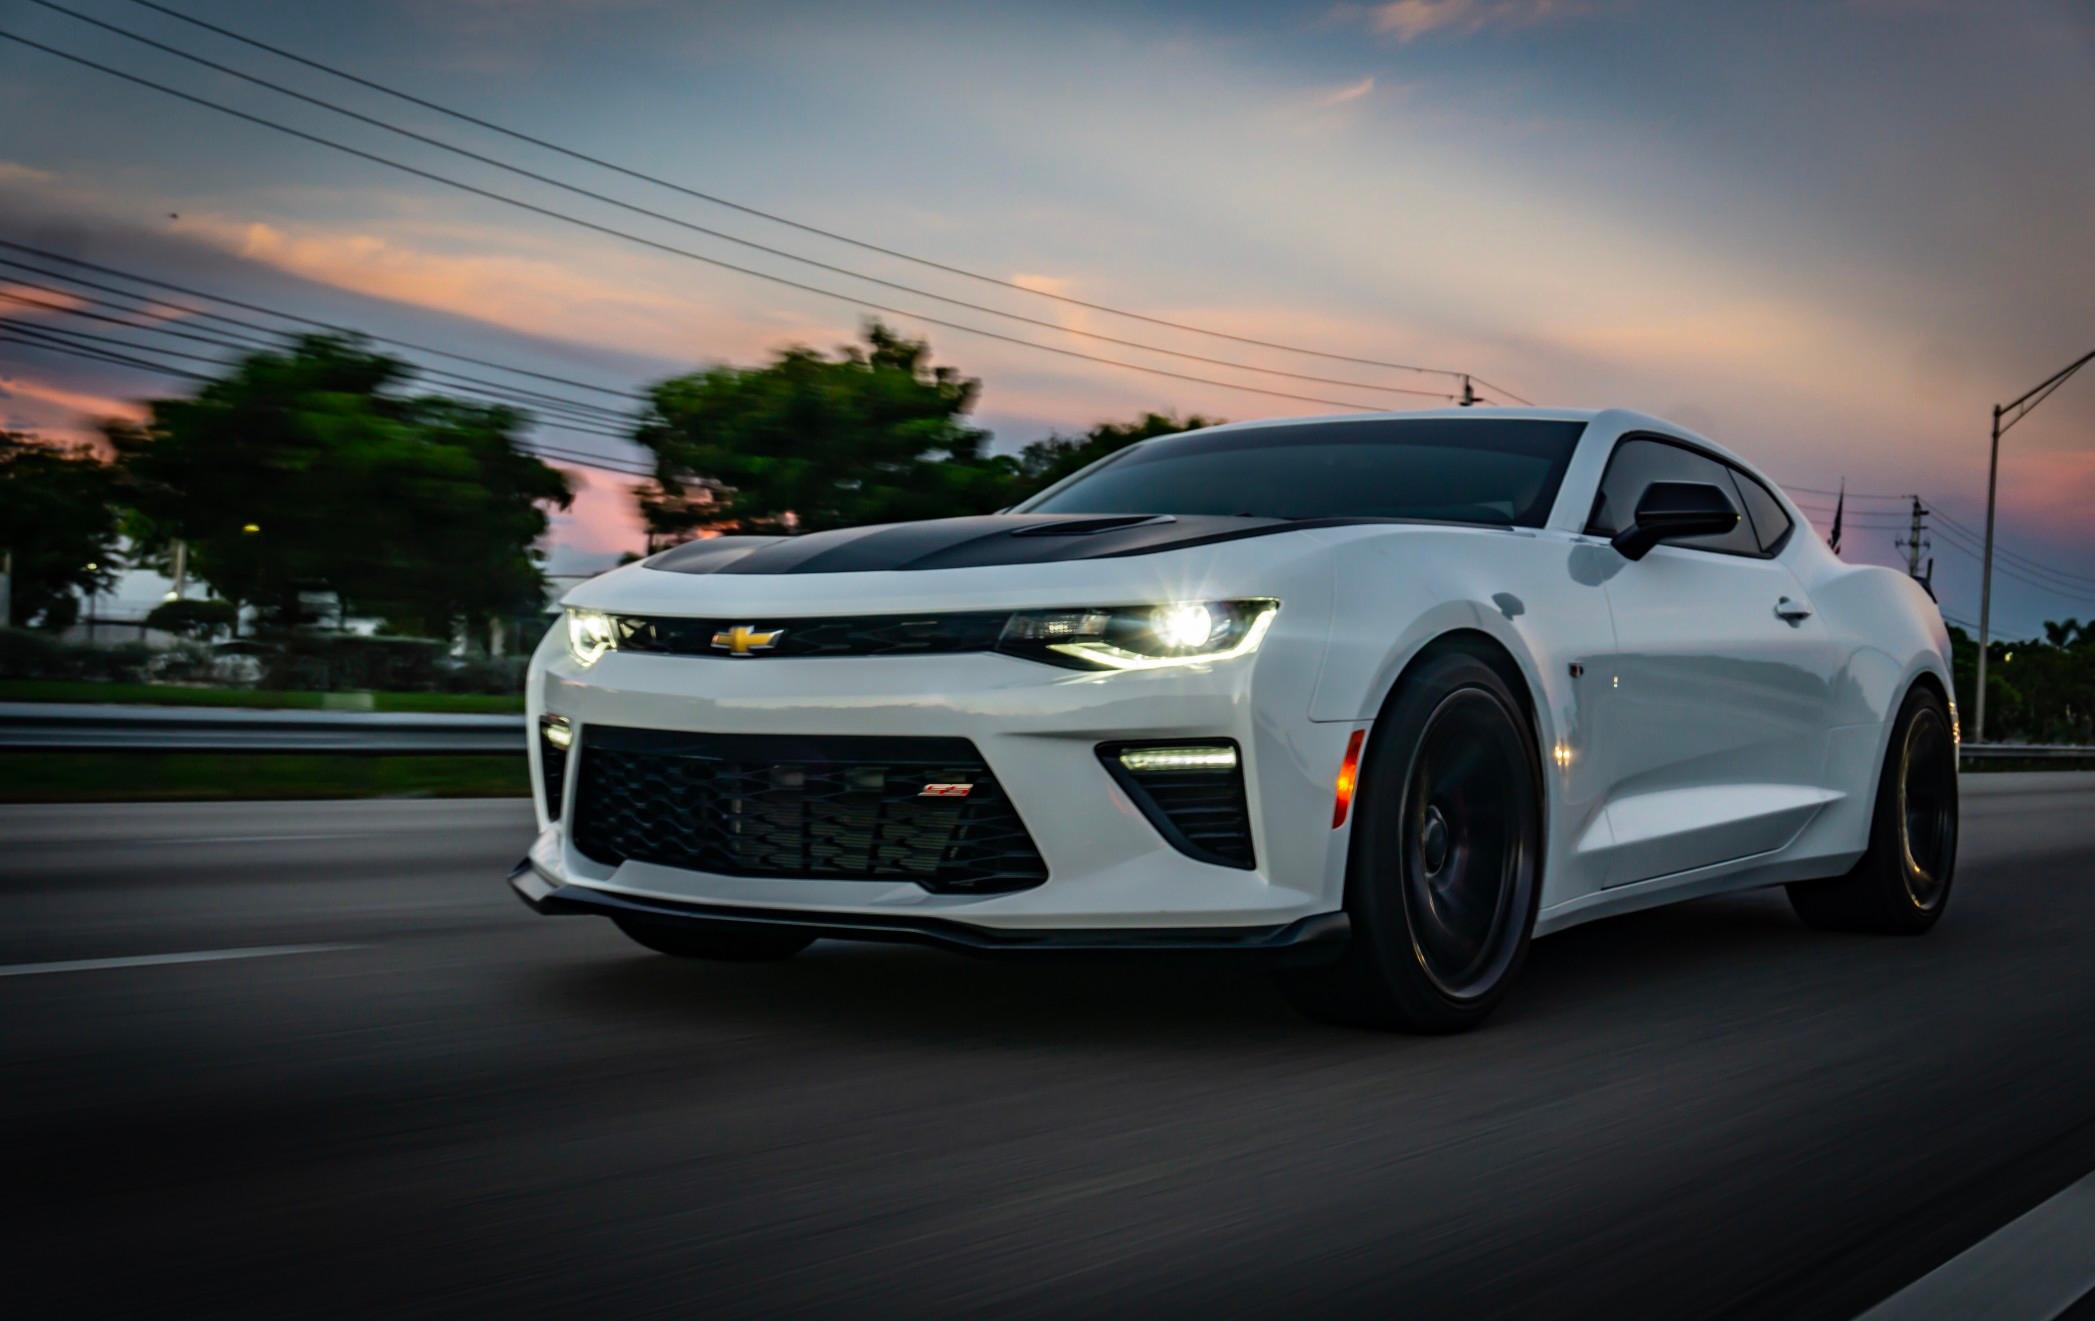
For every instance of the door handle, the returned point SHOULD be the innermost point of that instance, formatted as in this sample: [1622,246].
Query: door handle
[1791,612]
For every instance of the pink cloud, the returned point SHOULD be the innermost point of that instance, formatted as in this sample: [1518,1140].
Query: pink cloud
[1409,20]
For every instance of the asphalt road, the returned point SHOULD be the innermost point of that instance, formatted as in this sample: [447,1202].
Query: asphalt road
[454,1107]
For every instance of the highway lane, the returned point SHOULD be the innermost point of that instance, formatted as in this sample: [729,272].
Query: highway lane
[454,1107]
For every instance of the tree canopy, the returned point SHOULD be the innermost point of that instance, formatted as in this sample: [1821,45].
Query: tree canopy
[314,469]
[58,519]
[875,434]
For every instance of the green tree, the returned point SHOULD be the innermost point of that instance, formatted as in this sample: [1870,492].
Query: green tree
[1045,462]
[58,523]
[875,434]
[313,469]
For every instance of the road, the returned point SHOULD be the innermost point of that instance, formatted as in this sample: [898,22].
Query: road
[434,1103]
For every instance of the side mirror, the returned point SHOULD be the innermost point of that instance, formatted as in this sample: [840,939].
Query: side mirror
[1675,511]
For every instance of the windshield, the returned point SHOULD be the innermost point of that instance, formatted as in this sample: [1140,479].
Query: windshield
[1498,471]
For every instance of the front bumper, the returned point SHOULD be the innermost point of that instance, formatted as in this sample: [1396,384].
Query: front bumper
[1039,730]
[1306,942]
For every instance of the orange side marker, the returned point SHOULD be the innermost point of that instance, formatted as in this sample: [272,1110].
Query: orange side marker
[1348,779]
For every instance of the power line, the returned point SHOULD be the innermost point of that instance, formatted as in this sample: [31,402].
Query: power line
[672,249]
[2001,552]
[11,334]
[775,218]
[767,249]
[268,311]
[504,394]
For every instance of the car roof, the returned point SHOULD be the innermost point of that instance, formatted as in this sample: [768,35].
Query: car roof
[1617,420]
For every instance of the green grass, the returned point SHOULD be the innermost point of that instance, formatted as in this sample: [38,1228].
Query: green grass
[111,777]
[168,694]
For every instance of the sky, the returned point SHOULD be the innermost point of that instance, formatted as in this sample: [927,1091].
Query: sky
[1830,235]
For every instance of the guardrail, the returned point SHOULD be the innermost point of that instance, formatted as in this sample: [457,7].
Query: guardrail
[2045,752]
[82,727]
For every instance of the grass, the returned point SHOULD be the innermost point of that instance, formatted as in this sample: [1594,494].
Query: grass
[169,694]
[129,777]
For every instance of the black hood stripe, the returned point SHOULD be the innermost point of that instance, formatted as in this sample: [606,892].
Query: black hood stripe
[969,543]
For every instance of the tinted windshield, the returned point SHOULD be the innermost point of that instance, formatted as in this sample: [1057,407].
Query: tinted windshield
[1490,470]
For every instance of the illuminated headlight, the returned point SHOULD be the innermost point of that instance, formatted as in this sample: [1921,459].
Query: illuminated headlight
[590,633]
[1142,637]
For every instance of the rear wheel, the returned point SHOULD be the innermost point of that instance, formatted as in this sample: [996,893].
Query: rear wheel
[1444,869]
[1902,883]
[728,944]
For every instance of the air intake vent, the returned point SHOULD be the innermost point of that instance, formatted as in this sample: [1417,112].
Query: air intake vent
[555,737]
[1193,793]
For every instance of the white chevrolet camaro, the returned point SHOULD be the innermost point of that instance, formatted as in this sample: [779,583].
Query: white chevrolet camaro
[1378,698]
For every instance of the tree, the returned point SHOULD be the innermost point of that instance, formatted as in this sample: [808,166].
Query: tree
[312,469]
[875,434]
[58,522]
[1045,462]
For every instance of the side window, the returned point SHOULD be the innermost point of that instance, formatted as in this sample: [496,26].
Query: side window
[1770,524]
[1637,463]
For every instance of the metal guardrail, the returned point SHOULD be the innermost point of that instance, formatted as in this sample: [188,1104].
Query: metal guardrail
[2026,752]
[83,727]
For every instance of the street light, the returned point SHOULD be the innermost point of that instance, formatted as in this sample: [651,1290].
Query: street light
[2014,412]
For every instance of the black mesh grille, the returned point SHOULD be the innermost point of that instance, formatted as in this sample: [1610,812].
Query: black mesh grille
[847,808]
[552,770]
[1201,812]
[859,635]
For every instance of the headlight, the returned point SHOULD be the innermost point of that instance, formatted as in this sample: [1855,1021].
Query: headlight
[1144,637]
[590,633]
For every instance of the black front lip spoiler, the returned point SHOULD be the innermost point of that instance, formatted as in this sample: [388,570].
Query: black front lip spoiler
[1308,941]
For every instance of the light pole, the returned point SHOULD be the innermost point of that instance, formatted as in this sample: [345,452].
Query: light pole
[2012,412]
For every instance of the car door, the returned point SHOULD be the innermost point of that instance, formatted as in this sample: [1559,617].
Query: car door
[1717,703]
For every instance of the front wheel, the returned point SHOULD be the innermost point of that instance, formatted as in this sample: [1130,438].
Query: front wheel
[725,943]
[1902,883]
[1444,871]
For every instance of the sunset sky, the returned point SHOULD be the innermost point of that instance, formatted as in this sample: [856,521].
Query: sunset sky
[1830,235]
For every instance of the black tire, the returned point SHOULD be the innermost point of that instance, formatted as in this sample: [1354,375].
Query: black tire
[1902,882]
[1444,871]
[723,942]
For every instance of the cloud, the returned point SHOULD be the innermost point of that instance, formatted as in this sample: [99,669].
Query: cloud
[1349,93]
[12,172]
[1409,20]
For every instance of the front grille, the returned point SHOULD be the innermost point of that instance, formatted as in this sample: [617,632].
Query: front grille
[1201,813]
[844,807]
[856,635]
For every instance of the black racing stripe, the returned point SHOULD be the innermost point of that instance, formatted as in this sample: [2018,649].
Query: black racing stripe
[967,543]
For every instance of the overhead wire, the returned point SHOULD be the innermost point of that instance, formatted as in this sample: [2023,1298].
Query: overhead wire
[775,218]
[607,199]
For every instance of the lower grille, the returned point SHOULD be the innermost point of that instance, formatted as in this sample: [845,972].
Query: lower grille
[843,807]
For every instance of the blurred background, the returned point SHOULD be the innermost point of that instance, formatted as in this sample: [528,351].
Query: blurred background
[338,342]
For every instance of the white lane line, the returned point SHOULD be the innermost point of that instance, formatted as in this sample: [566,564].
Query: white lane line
[2031,1269]
[156,960]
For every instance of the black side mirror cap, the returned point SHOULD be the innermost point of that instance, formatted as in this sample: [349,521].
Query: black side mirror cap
[1675,511]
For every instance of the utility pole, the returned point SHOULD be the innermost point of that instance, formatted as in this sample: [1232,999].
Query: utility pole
[1469,392]
[2014,412]
[1916,539]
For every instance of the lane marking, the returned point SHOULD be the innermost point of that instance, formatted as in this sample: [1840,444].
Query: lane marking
[2031,1269]
[156,960]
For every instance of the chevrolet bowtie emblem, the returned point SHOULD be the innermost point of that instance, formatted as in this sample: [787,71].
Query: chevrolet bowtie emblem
[746,640]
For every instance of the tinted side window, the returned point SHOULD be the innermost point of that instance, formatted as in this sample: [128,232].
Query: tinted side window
[1770,524]
[1636,464]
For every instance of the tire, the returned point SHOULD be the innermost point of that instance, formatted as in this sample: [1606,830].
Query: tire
[1444,871]
[1901,885]
[721,942]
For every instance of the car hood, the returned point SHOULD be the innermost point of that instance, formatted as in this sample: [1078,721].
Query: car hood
[957,564]
[961,543]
